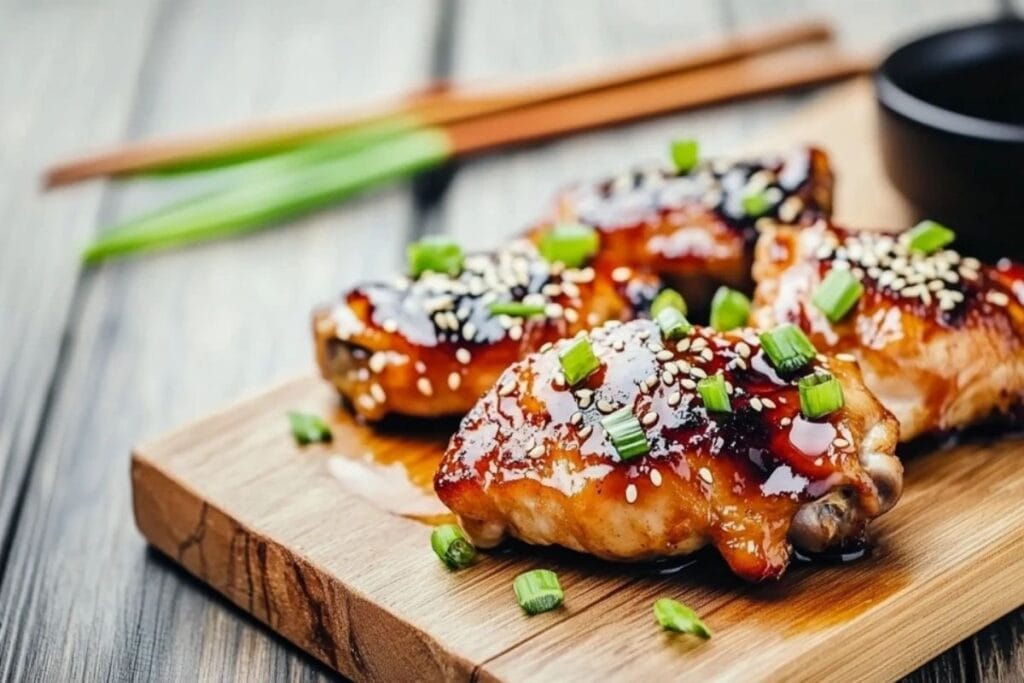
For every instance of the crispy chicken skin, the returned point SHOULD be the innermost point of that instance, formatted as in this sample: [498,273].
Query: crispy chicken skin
[940,338]
[532,458]
[693,228]
[430,346]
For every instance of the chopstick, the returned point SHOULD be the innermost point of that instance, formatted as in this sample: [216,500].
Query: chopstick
[324,172]
[775,72]
[433,107]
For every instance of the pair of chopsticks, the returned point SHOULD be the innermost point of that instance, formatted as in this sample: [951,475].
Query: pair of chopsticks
[299,165]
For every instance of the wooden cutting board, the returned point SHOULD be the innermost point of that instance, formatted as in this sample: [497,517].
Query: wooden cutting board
[292,538]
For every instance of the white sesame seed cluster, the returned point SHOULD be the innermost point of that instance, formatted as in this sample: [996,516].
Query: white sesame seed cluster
[720,185]
[942,279]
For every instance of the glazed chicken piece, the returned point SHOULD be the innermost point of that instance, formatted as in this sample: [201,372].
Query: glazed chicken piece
[939,337]
[534,460]
[695,229]
[430,346]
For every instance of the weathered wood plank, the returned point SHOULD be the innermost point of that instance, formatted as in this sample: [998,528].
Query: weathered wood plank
[63,83]
[161,338]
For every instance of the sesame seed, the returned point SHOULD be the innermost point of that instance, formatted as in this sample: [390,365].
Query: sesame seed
[743,350]
[571,315]
[649,418]
[840,442]
[463,356]
[644,335]
[849,358]
[605,406]
[420,366]
[707,355]
[424,386]
[705,474]
[377,391]
[554,310]
[536,451]
[585,432]
[674,398]
[507,388]
[785,422]
[683,345]
[545,347]
[516,333]
[768,403]
[682,366]
[631,493]
[454,381]
[468,331]
[655,476]
[698,345]
[366,402]
[997,298]
[378,361]
[621,274]
[559,380]
[390,326]
[619,344]
[655,347]
[689,384]
[576,418]
[755,403]
[664,355]
[698,373]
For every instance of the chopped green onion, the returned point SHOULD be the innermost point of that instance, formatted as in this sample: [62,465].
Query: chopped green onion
[515,308]
[538,591]
[281,187]
[668,298]
[685,154]
[578,361]
[626,433]
[787,347]
[436,254]
[820,394]
[756,204]
[452,546]
[714,394]
[837,294]
[673,324]
[569,243]
[308,428]
[729,309]
[929,236]
[675,616]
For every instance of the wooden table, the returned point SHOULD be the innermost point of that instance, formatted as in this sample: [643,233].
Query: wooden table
[95,359]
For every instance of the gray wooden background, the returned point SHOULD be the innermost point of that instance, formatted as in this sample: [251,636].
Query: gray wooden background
[93,360]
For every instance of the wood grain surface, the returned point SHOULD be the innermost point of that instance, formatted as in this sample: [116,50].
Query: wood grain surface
[94,359]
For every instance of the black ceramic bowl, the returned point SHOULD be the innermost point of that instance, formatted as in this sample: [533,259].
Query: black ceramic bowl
[952,131]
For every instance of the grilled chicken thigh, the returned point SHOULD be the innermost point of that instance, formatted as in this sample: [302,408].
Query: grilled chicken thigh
[430,346]
[697,229]
[939,337]
[535,459]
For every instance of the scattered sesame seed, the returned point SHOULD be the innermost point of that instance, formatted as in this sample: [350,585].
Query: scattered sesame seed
[840,442]
[537,451]
[688,384]
[655,476]
[698,373]
[468,331]
[631,493]
[390,326]
[755,403]
[377,391]
[705,474]
[463,356]
[768,403]
[664,355]
[683,345]
[378,361]
[454,381]
[649,418]
[424,386]
[997,298]
[743,350]
[605,406]
[622,273]
[585,432]
[674,398]
[576,418]
[667,377]
[849,358]
[366,402]
[507,388]
[786,421]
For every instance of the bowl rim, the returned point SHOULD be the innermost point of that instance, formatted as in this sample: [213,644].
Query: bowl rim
[895,98]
